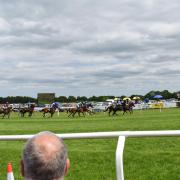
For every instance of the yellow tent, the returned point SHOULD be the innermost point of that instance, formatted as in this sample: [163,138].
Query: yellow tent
[126,98]
[136,98]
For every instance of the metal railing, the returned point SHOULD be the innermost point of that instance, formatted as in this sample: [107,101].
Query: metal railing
[120,146]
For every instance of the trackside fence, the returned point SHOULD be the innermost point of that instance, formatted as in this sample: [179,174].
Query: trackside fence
[115,134]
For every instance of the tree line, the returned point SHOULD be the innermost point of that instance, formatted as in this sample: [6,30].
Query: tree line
[63,99]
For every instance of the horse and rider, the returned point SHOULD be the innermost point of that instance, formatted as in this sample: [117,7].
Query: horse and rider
[120,105]
[6,110]
[81,108]
[50,110]
[23,110]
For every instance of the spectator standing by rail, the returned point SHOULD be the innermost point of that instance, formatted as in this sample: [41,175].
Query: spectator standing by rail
[44,158]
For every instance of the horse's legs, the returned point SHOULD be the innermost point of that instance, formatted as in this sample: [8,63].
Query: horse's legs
[52,113]
[131,111]
[90,112]
[23,114]
[114,112]
[30,114]
[74,113]
[70,113]
[109,112]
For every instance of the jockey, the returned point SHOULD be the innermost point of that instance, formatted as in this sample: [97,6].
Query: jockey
[114,104]
[6,105]
[55,105]
[124,102]
[127,101]
[79,105]
[119,102]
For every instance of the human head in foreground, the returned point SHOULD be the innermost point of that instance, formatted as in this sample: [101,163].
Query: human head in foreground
[44,158]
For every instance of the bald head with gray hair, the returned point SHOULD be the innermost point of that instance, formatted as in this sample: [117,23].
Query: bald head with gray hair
[44,158]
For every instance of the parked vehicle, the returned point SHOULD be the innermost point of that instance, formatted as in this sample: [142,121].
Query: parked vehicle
[100,106]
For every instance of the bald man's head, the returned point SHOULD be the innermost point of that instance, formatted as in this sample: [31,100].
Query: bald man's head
[44,157]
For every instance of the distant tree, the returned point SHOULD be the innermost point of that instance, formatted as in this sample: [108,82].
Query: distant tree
[17,99]
[102,98]
[174,95]
[166,94]
[72,99]
[82,98]
[93,98]
[62,99]
[111,97]
[123,96]
[150,94]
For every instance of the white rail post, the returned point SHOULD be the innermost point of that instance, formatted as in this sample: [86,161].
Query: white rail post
[119,158]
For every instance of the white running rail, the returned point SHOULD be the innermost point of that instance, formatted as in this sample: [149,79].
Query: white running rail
[121,142]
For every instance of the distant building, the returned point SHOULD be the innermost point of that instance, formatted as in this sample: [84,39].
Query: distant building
[45,98]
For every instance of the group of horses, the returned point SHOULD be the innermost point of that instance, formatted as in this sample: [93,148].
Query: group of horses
[124,107]
[22,111]
[84,109]
[6,111]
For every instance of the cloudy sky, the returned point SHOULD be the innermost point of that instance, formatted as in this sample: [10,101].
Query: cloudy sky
[89,47]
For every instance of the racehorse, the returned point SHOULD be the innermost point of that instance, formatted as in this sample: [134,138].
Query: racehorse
[72,111]
[29,110]
[84,108]
[114,109]
[124,107]
[128,107]
[6,111]
[50,110]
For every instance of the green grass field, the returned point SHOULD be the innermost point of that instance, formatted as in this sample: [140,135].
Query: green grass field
[91,159]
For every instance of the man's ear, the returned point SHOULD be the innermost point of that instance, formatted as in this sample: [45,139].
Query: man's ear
[22,168]
[67,167]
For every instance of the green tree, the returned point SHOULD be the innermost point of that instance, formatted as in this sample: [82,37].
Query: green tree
[82,98]
[72,99]
[62,99]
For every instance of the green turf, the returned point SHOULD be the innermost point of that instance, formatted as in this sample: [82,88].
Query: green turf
[91,159]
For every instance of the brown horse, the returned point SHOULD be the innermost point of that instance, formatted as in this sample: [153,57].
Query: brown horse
[124,107]
[29,110]
[128,107]
[113,109]
[6,111]
[81,110]
[47,110]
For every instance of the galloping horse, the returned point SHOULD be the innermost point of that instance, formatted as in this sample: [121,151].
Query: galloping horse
[72,111]
[84,108]
[128,107]
[29,110]
[114,109]
[124,107]
[6,111]
[50,110]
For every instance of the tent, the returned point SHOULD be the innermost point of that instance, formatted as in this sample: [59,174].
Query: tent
[158,96]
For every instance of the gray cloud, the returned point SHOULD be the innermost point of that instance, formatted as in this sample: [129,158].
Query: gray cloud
[89,47]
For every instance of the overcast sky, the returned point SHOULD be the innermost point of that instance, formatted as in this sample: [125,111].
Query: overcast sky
[89,47]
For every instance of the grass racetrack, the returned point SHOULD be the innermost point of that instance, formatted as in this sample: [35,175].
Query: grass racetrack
[155,158]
